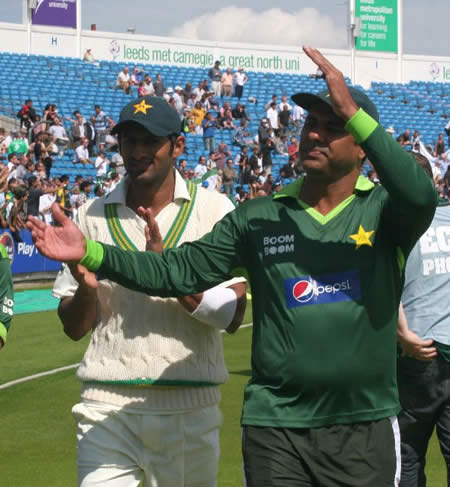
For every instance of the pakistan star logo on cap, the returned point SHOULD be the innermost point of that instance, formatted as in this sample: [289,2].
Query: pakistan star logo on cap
[142,107]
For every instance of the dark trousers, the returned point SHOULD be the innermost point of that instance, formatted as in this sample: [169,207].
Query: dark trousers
[238,91]
[351,455]
[424,389]
[48,161]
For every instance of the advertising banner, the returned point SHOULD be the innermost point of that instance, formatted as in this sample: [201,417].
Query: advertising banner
[25,257]
[379,26]
[60,13]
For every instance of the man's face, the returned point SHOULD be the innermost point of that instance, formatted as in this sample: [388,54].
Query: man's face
[85,142]
[327,149]
[147,157]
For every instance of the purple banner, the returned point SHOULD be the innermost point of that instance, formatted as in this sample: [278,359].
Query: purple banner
[61,13]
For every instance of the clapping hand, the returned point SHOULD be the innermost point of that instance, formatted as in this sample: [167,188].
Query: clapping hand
[65,242]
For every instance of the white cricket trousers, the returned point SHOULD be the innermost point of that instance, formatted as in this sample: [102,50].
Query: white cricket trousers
[122,447]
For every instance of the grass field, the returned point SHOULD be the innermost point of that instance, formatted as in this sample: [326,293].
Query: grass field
[37,446]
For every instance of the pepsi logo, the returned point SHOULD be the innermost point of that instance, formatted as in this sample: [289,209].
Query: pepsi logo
[303,291]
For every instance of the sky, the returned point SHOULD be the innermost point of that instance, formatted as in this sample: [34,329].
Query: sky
[320,23]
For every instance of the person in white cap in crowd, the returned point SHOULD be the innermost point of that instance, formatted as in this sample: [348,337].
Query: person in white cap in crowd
[240,79]
[168,94]
[178,101]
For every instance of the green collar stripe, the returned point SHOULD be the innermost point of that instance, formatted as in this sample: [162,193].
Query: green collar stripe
[115,228]
[121,239]
[179,224]
[155,382]
[324,219]
[293,191]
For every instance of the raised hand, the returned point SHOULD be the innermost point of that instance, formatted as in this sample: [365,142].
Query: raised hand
[153,237]
[343,104]
[65,242]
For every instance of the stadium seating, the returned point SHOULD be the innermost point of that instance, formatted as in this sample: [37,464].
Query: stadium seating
[73,84]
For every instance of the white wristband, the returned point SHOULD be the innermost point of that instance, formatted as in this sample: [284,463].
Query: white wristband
[217,307]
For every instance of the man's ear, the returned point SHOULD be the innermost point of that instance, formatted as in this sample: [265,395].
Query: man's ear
[178,146]
[362,155]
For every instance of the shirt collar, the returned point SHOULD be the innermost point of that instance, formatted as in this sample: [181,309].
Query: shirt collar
[293,190]
[119,194]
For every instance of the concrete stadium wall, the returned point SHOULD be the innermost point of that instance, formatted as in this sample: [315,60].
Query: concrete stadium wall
[139,49]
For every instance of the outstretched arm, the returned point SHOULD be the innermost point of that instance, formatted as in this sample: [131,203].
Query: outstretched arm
[189,269]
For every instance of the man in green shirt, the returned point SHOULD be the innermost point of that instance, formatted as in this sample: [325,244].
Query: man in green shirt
[325,259]
[18,146]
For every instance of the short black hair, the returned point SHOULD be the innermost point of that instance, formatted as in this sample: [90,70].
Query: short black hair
[84,185]
[31,180]
[20,192]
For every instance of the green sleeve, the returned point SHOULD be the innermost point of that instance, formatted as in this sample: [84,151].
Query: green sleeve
[193,267]
[6,296]
[412,198]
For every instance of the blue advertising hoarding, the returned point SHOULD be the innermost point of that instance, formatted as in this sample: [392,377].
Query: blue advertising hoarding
[25,257]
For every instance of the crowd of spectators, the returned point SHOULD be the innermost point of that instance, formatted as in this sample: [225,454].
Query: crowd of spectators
[27,185]
[438,155]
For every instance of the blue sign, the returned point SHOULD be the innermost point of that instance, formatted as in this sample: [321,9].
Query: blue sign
[330,288]
[25,257]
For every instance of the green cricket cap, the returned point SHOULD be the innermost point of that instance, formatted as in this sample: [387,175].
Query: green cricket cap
[153,113]
[306,100]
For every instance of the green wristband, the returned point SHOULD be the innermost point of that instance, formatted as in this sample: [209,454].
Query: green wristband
[361,126]
[3,332]
[93,257]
